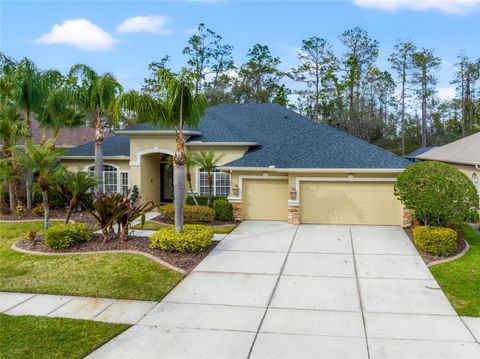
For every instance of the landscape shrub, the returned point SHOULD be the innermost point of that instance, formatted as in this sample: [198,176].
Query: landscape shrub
[439,194]
[20,209]
[202,200]
[438,241]
[64,236]
[223,210]
[192,214]
[194,238]
[55,199]
[39,210]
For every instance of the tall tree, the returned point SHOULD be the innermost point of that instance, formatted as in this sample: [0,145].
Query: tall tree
[178,107]
[317,66]
[362,52]
[402,62]
[425,63]
[29,93]
[259,77]
[97,95]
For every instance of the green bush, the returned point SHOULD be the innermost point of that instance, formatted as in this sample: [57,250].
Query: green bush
[202,200]
[192,214]
[194,238]
[438,194]
[55,199]
[64,236]
[223,210]
[438,241]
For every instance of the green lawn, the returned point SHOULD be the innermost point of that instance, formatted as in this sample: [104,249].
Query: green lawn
[41,337]
[153,226]
[126,276]
[460,279]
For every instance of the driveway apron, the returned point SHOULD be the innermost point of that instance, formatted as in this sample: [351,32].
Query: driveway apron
[273,290]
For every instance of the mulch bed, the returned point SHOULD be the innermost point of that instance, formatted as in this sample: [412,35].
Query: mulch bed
[429,258]
[185,261]
[57,213]
[161,220]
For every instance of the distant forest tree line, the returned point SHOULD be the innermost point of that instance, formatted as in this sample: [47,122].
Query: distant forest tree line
[397,108]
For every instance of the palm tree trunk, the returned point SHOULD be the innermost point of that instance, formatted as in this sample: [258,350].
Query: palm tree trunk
[12,198]
[45,204]
[71,207]
[209,180]
[28,171]
[98,155]
[179,195]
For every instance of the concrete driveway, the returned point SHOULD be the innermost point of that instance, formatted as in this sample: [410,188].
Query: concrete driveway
[273,290]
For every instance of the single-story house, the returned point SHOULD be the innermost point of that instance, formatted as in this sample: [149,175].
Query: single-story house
[276,165]
[412,156]
[463,154]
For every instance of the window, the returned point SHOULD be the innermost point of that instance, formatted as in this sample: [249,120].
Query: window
[124,182]
[113,181]
[475,180]
[220,183]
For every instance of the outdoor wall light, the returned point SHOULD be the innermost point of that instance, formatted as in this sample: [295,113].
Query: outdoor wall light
[293,194]
[235,190]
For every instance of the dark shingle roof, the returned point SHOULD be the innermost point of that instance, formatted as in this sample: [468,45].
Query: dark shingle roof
[286,140]
[418,152]
[118,145]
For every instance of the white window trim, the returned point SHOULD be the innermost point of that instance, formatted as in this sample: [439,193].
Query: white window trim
[197,184]
[119,176]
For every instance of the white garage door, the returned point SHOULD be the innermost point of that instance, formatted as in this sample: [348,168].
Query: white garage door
[349,203]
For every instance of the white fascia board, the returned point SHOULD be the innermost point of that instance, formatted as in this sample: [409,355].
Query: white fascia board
[315,170]
[223,144]
[158,132]
[454,162]
[124,158]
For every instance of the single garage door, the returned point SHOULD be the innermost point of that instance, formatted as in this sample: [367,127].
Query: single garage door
[265,199]
[349,203]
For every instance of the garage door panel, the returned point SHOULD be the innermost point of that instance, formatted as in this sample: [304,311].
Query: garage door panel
[349,203]
[265,199]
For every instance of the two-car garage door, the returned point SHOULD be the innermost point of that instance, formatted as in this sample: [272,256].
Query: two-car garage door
[349,203]
[324,202]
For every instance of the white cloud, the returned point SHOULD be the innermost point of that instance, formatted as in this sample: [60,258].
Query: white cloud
[153,23]
[191,31]
[446,93]
[79,33]
[457,7]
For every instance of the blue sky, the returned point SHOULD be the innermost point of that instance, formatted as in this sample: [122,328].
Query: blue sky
[58,34]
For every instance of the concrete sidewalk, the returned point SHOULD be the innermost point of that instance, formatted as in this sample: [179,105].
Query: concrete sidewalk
[98,309]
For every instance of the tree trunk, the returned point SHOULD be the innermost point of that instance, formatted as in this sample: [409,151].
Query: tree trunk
[402,125]
[179,195]
[45,204]
[209,180]
[28,171]
[424,112]
[71,206]
[12,198]
[98,154]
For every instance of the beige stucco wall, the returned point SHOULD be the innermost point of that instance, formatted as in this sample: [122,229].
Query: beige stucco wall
[75,165]
[469,171]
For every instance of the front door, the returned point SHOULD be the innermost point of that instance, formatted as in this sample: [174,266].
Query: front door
[166,183]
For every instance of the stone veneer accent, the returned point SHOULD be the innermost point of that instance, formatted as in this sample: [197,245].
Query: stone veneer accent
[237,211]
[407,218]
[293,213]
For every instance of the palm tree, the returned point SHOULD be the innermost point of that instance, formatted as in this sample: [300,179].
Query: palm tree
[42,160]
[177,106]
[97,95]
[59,111]
[208,162]
[28,94]
[12,128]
[73,187]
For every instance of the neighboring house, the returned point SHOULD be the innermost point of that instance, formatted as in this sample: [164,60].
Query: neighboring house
[277,165]
[464,154]
[67,137]
[412,156]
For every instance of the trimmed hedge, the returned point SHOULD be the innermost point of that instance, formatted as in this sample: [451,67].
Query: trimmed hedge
[202,200]
[64,236]
[223,210]
[438,241]
[194,238]
[192,214]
